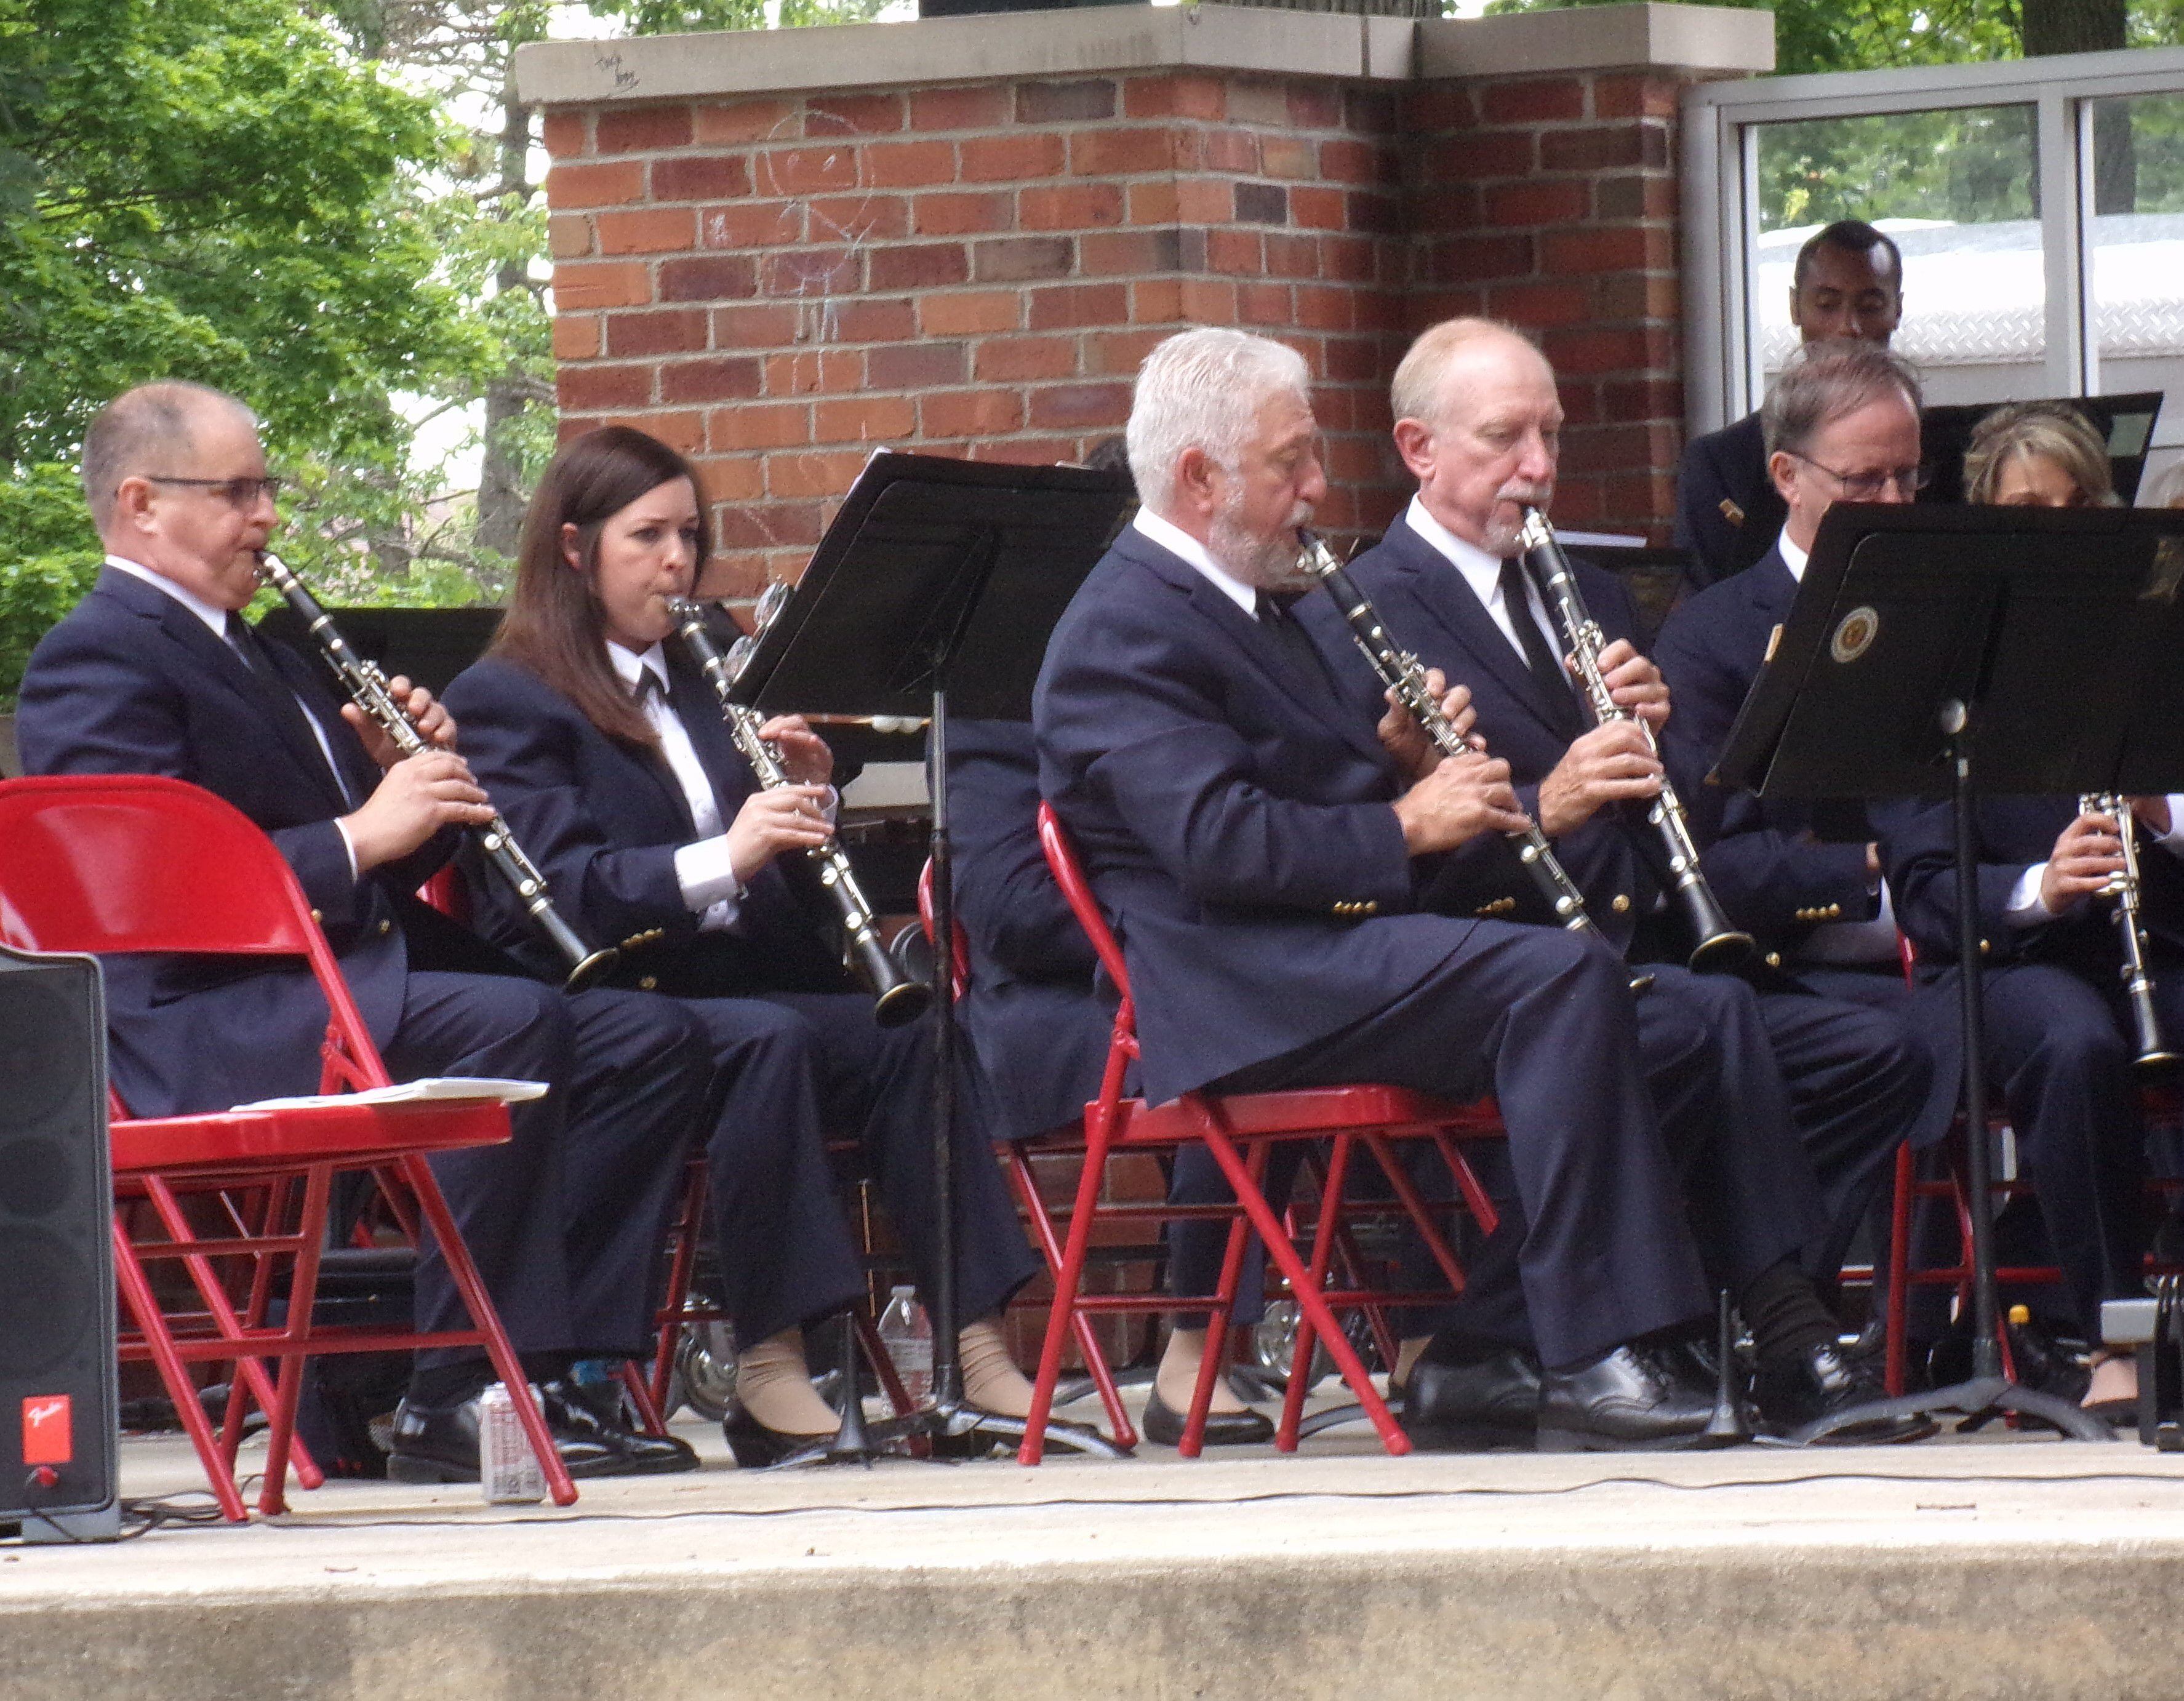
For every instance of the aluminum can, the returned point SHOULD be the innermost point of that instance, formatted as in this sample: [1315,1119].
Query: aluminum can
[508,1471]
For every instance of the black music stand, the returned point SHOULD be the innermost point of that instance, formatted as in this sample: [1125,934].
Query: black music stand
[1935,652]
[938,580]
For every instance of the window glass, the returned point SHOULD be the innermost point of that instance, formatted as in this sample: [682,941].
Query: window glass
[1958,190]
[2134,280]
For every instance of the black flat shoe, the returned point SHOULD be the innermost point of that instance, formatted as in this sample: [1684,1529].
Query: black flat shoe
[1491,1402]
[756,1447]
[570,1411]
[1162,1423]
[1637,1398]
[1820,1381]
[440,1444]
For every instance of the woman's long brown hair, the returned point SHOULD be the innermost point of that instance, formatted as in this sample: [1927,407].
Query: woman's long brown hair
[554,627]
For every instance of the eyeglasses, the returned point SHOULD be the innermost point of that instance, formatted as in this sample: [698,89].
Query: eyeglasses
[240,492]
[1863,486]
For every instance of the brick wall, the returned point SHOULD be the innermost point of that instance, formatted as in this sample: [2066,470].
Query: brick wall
[778,284]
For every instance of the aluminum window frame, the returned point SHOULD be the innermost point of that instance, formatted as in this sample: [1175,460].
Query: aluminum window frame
[1720,188]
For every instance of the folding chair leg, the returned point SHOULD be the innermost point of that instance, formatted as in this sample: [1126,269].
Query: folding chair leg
[152,1324]
[1212,1360]
[1899,1267]
[675,1302]
[1324,1232]
[302,1293]
[633,1384]
[1088,1339]
[1066,1278]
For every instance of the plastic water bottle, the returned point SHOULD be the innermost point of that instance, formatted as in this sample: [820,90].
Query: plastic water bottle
[907,1333]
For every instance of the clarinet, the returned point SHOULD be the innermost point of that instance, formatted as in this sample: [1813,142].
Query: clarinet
[1402,673]
[2151,1052]
[1721,945]
[899,1000]
[366,687]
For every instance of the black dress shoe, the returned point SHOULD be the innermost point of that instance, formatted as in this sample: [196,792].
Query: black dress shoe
[756,1447]
[1491,1403]
[1162,1423]
[1819,1381]
[1636,1398]
[571,1412]
[440,1444]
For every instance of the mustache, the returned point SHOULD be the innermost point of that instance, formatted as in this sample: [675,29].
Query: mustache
[1526,494]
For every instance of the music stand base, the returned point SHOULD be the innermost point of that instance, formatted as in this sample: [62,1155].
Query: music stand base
[1975,1398]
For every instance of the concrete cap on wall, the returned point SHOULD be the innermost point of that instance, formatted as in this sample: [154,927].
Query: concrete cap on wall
[1110,39]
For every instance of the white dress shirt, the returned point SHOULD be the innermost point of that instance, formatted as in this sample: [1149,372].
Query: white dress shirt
[1483,573]
[1177,541]
[215,620]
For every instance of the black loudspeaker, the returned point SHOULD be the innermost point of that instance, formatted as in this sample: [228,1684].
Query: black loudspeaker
[58,1437]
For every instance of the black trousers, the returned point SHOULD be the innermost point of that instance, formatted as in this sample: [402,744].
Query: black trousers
[1599,1252]
[790,1066]
[564,1222]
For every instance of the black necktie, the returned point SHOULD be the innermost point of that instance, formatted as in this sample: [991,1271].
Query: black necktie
[245,643]
[1298,651]
[1547,668]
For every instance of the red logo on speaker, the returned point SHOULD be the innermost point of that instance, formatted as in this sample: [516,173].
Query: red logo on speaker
[49,1437]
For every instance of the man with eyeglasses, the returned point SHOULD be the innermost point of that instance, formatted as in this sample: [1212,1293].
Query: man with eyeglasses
[1848,283]
[155,672]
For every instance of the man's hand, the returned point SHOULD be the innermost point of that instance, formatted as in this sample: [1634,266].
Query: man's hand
[786,817]
[1612,762]
[1413,750]
[2084,857]
[1635,683]
[2153,813]
[415,799]
[432,720]
[804,754]
[1462,798]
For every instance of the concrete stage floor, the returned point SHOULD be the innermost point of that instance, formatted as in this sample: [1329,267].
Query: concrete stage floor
[2001,1566]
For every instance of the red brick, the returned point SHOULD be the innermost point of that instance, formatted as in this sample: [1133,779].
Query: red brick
[1207,301]
[875,320]
[1493,153]
[809,371]
[1013,260]
[810,272]
[1182,95]
[576,337]
[746,121]
[919,265]
[1480,258]
[1029,451]
[1070,207]
[1603,147]
[1120,254]
[1004,360]
[1078,306]
[817,170]
[1152,203]
[607,184]
[568,236]
[1532,102]
[644,128]
[1627,248]
[1371,111]
[971,214]
[1261,204]
[769,524]
[1557,202]
[860,219]
[1122,352]
[1120,152]
[1234,252]
[1650,195]
[1381,215]
[1004,158]
[680,332]
[1259,101]
[1321,307]
[761,425]
[600,283]
[768,326]
[1635,97]
[738,479]
[1355,361]
[1639,295]
[1439,106]
[714,379]
[1640,398]
[915,365]
[567,132]
[1557,301]
[1064,102]
[816,474]
[970,413]
[751,225]
[853,115]
[970,314]
[1204,201]
[1315,208]
[1353,460]
[1218,150]
[700,177]
[909,164]
[1579,351]
[984,106]
[1349,259]
[647,231]
[1290,156]
[1265,305]
[865,419]
[1079,407]
[682,429]
[1315,106]
[586,389]
[1291,256]
[709,277]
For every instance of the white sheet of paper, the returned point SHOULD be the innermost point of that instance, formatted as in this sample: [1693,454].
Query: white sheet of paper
[431,1088]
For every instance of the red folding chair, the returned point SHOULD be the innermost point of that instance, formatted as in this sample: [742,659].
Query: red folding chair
[115,864]
[1238,1129]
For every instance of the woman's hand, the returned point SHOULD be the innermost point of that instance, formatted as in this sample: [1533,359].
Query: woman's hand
[788,817]
[804,753]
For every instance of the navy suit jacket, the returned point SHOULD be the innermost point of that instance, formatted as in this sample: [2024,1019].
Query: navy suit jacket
[1235,819]
[603,820]
[132,682]
[1430,610]
[1775,879]
[2010,835]
[1729,466]
[1040,1028]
